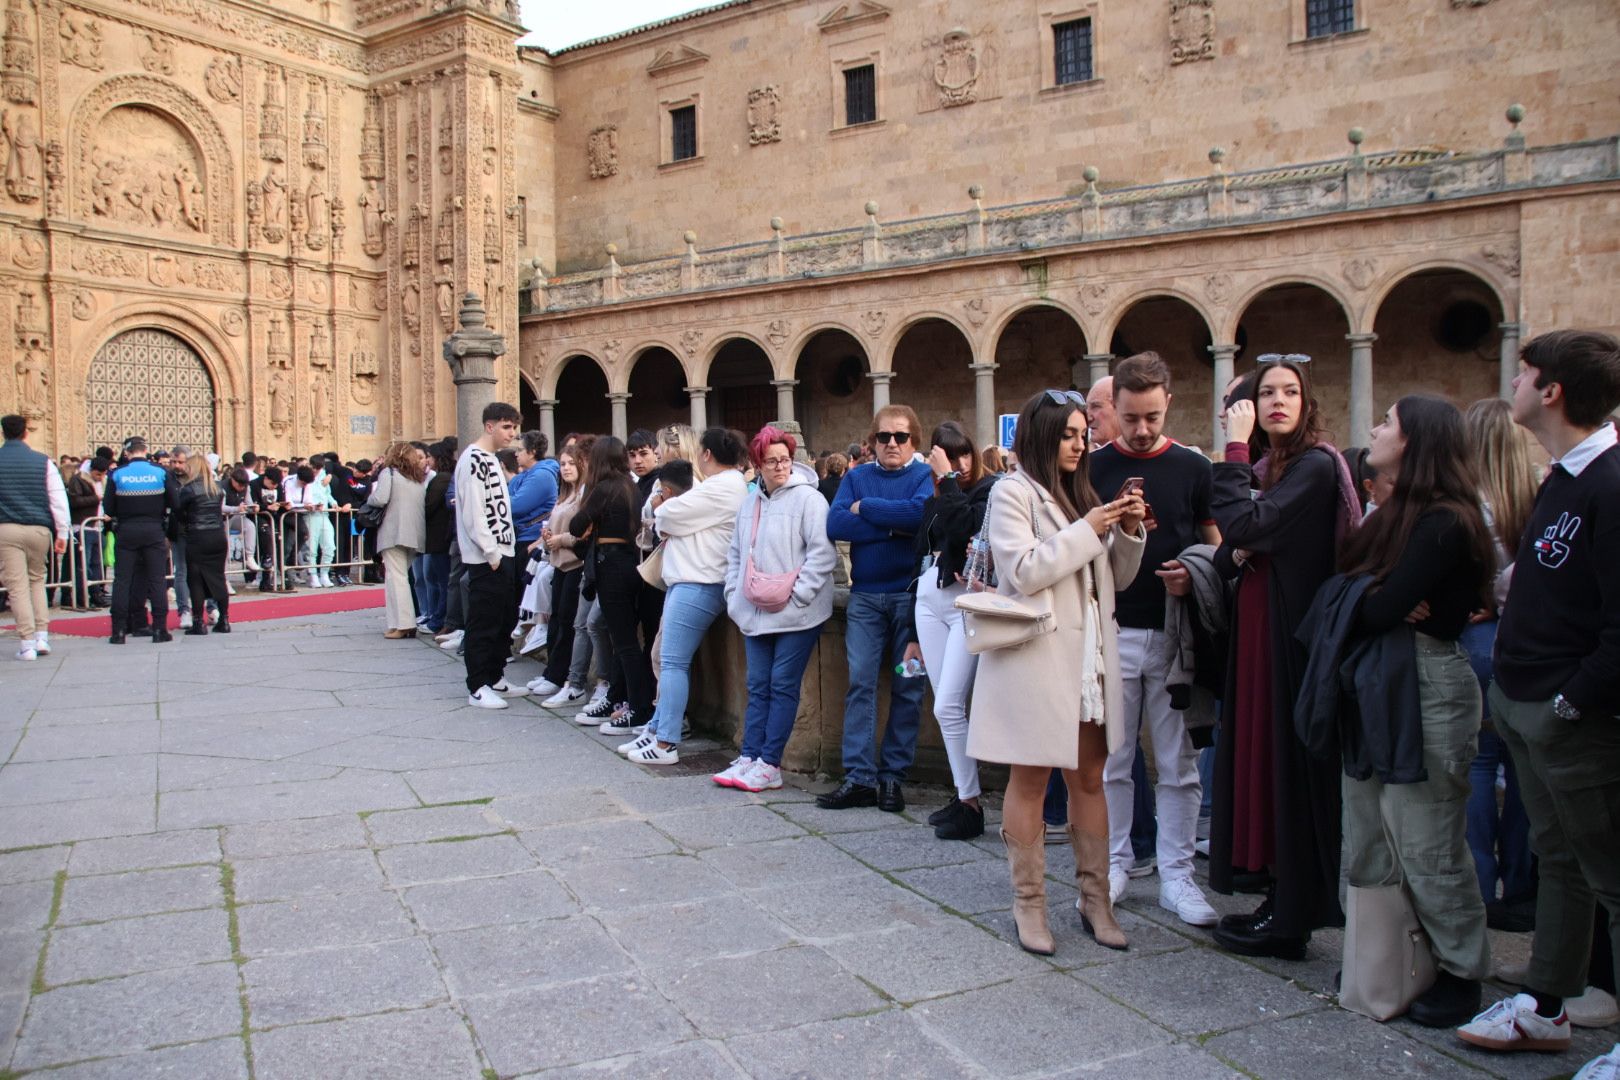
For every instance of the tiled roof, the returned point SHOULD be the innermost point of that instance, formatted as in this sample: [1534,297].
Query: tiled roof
[650,26]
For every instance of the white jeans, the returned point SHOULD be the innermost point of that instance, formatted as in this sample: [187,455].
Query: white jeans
[399,607]
[1143,665]
[950,672]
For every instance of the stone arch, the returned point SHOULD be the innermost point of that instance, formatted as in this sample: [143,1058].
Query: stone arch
[528,400]
[182,108]
[1327,285]
[999,324]
[700,375]
[1437,328]
[788,363]
[656,378]
[581,396]
[620,382]
[887,345]
[1115,315]
[1177,327]
[551,372]
[1380,290]
[738,369]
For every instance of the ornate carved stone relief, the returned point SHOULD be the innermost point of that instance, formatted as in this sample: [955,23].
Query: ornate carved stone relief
[763,124]
[492,231]
[412,143]
[444,241]
[872,322]
[492,153]
[371,140]
[267,205]
[690,340]
[1218,288]
[33,379]
[372,217]
[602,152]
[277,350]
[410,252]
[977,310]
[315,125]
[1504,259]
[279,388]
[24,154]
[320,347]
[363,363]
[317,214]
[447,141]
[157,53]
[956,69]
[1192,30]
[19,56]
[777,332]
[273,116]
[1360,273]
[233,322]
[1094,297]
[320,397]
[224,79]
[146,172]
[444,299]
[83,305]
[79,40]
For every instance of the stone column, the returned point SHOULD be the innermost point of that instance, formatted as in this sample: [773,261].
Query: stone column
[471,353]
[1097,365]
[1361,387]
[880,388]
[700,406]
[621,420]
[984,404]
[548,422]
[1509,358]
[1223,355]
[784,397]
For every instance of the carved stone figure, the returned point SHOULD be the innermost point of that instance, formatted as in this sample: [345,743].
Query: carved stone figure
[280,287]
[277,349]
[80,40]
[763,125]
[872,322]
[23,154]
[18,80]
[272,118]
[275,205]
[444,243]
[491,150]
[280,389]
[318,214]
[83,305]
[371,219]
[956,70]
[157,55]
[30,316]
[147,172]
[33,381]
[492,231]
[371,140]
[1359,273]
[410,254]
[54,178]
[412,142]
[320,347]
[224,79]
[445,297]
[364,361]
[189,191]
[232,321]
[338,227]
[253,201]
[320,395]
[777,332]
[447,146]
[602,152]
[315,126]
[411,306]
[1192,30]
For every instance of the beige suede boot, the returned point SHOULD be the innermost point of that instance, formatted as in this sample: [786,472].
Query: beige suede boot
[1091,874]
[1028,864]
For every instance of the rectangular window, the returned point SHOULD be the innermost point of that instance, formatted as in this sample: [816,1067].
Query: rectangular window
[683,133]
[860,95]
[1324,18]
[1071,51]
[523,220]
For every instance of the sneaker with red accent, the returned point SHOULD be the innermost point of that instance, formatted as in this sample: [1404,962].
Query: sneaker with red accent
[761,776]
[1514,1024]
[1606,1067]
[728,776]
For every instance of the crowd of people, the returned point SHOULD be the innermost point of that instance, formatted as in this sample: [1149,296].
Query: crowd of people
[1395,668]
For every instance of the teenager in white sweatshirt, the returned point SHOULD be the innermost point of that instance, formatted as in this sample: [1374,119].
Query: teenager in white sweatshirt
[488,538]
[696,528]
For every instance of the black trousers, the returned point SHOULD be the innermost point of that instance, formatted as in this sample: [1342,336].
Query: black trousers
[491,614]
[618,588]
[205,572]
[560,628]
[650,612]
[141,574]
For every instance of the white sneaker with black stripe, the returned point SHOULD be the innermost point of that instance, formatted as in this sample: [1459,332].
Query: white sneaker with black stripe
[654,754]
[635,744]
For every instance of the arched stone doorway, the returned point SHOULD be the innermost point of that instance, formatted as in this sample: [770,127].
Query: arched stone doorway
[1040,348]
[741,395]
[582,401]
[152,383]
[658,394]
[933,373]
[834,396]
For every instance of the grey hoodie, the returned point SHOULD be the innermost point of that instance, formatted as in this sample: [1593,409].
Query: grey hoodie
[792,535]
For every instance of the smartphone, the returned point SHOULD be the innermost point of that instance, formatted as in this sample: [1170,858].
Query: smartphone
[1130,485]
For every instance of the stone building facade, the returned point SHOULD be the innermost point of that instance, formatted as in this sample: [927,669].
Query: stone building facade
[999,212]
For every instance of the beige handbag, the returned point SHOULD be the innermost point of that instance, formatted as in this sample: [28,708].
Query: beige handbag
[992,621]
[1387,958]
[651,568]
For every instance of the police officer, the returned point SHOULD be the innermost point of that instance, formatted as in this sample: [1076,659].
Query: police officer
[139,497]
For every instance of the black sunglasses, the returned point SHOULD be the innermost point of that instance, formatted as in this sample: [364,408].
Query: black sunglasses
[1282,358]
[1067,397]
[898,437]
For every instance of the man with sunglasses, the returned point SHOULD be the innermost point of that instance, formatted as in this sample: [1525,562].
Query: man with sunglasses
[878,509]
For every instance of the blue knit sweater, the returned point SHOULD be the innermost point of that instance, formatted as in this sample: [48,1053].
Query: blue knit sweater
[880,536]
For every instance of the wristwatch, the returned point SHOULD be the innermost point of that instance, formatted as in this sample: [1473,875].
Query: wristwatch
[1565,709]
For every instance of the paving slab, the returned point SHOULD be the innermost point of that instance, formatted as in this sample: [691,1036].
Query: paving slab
[319,922]
[296,837]
[563,806]
[431,823]
[423,1044]
[19,955]
[494,901]
[544,1027]
[1198,990]
[1333,1043]
[33,864]
[26,906]
[216,1059]
[858,904]
[922,962]
[147,943]
[890,1045]
[443,860]
[283,877]
[145,852]
[330,983]
[31,782]
[778,862]
[594,841]
[727,826]
[766,991]
[686,1061]
[519,955]
[908,847]
[660,879]
[139,892]
[113,738]
[666,936]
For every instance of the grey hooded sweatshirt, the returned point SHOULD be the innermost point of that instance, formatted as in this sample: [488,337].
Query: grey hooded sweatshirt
[792,535]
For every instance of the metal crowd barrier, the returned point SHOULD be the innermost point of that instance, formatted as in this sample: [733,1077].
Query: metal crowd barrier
[295,521]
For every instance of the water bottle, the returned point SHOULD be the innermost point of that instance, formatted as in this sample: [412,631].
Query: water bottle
[911,669]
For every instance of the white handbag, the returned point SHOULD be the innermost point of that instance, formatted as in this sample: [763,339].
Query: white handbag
[992,621]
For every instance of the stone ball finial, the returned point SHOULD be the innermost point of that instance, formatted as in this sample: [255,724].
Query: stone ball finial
[776,224]
[536,263]
[1515,114]
[689,237]
[612,249]
[1091,174]
[1356,136]
[1217,154]
[871,208]
[975,191]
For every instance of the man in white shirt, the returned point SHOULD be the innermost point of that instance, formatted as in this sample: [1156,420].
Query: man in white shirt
[487,537]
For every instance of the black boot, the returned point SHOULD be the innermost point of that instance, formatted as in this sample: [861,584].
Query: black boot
[223,626]
[1257,935]
[849,794]
[890,797]
[1450,1002]
[160,636]
[117,638]
[199,628]
[962,822]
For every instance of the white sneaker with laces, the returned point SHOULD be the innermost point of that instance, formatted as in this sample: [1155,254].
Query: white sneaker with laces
[600,692]
[504,687]
[1596,1008]
[487,698]
[567,695]
[26,651]
[453,642]
[544,687]
[1184,898]
[760,777]
[620,723]
[185,620]
[653,754]
[1606,1067]
[728,776]
[1119,880]
[635,744]
[42,643]
[1514,1024]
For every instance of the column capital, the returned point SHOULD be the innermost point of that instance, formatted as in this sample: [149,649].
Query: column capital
[618,397]
[984,370]
[1097,357]
[1361,339]
[698,391]
[882,378]
[548,403]
[1222,352]
[782,384]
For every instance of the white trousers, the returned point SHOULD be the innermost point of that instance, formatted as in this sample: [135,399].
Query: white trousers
[950,673]
[1143,665]
[397,602]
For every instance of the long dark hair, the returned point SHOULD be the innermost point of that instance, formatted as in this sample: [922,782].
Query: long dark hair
[610,472]
[1435,473]
[952,438]
[1307,434]
[1040,429]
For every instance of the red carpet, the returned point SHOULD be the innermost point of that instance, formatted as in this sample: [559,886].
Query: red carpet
[247,606]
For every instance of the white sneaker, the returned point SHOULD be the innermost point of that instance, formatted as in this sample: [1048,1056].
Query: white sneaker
[544,687]
[600,692]
[487,698]
[594,713]
[1119,879]
[507,689]
[653,754]
[185,620]
[1594,1009]
[1184,898]
[1201,847]
[453,642]
[761,777]
[728,776]
[568,695]
[635,744]
[1512,972]
[1513,1024]
[26,651]
[42,643]
[230,590]
[1606,1067]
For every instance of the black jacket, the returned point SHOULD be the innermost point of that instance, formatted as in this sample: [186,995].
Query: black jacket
[829,486]
[1359,698]
[441,522]
[951,517]
[198,514]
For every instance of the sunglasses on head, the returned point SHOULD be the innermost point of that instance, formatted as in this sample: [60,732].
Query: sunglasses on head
[1282,358]
[899,438]
[1066,397]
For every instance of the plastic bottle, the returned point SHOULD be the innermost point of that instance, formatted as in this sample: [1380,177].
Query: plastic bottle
[911,669]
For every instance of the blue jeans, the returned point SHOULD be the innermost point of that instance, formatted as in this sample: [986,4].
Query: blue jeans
[879,628]
[689,610]
[1055,810]
[1500,842]
[776,664]
[436,586]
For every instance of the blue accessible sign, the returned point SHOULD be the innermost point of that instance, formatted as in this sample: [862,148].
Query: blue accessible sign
[1008,427]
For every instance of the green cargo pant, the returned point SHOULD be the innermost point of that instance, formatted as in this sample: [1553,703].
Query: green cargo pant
[1569,777]
[1421,829]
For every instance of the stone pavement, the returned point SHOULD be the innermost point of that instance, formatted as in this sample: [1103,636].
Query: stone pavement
[295,853]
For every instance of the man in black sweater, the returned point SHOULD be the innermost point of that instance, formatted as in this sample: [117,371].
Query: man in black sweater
[1556,699]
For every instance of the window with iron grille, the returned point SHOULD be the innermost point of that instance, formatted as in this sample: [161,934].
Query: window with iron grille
[683,133]
[860,95]
[1071,51]
[1326,17]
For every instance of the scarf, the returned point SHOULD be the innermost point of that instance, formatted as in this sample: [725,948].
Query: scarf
[1349,509]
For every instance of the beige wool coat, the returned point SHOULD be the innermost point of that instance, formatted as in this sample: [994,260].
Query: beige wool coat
[1026,700]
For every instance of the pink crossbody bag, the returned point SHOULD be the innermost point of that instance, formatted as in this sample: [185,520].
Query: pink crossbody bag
[768,592]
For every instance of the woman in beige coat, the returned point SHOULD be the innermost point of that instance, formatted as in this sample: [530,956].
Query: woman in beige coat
[1054,702]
